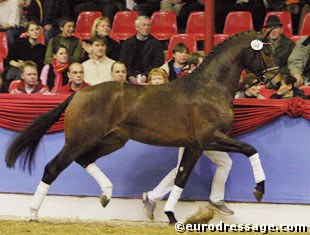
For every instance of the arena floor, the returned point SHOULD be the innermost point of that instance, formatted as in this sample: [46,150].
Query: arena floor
[88,209]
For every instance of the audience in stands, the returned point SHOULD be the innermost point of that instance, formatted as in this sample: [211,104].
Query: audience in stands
[76,79]
[281,45]
[141,52]
[54,75]
[288,89]
[2,88]
[98,68]
[48,13]
[66,38]
[299,61]
[119,71]
[250,88]
[157,76]
[178,65]
[30,83]
[10,19]
[102,28]
[26,49]
[183,8]
[147,7]
[108,8]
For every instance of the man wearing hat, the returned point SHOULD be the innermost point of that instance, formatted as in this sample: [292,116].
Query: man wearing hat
[281,45]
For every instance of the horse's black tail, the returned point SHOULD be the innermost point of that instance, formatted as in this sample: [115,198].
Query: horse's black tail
[26,143]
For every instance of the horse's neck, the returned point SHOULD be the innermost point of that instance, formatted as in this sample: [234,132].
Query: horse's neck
[225,69]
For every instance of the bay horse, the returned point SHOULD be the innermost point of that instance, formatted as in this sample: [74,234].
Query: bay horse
[195,111]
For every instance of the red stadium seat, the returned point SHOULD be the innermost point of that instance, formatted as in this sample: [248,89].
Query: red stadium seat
[41,37]
[217,38]
[238,21]
[4,48]
[188,40]
[164,25]
[285,18]
[124,24]
[196,25]
[306,89]
[84,24]
[305,27]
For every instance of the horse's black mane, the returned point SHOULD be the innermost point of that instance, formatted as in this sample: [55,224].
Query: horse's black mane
[218,48]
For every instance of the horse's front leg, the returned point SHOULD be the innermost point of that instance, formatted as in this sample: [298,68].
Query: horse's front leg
[225,143]
[188,162]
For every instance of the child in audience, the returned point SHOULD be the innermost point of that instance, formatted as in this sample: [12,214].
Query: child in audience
[157,76]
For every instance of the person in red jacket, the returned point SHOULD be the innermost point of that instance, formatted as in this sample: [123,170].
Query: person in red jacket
[30,83]
[76,76]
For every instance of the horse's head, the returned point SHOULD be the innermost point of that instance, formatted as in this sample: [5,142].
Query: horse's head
[259,59]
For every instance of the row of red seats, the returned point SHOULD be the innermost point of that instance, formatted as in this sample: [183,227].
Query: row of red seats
[164,24]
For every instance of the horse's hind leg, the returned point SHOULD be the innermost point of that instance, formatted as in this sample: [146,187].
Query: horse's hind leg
[108,145]
[225,143]
[188,162]
[63,159]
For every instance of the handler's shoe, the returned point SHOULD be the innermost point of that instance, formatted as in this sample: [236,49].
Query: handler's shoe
[149,206]
[222,208]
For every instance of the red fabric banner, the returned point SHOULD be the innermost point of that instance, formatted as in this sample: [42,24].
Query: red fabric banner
[17,111]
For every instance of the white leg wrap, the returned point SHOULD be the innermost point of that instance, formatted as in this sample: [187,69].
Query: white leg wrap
[104,183]
[173,198]
[258,171]
[37,200]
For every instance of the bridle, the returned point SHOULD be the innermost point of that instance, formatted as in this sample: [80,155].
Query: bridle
[262,77]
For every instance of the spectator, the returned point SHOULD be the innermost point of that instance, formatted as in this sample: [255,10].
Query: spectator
[26,49]
[141,52]
[98,68]
[194,61]
[67,39]
[147,7]
[76,82]
[119,71]
[183,8]
[107,7]
[288,89]
[299,61]
[250,88]
[177,66]
[157,76]
[24,4]
[48,13]
[54,75]
[10,19]
[102,28]
[30,83]
[281,45]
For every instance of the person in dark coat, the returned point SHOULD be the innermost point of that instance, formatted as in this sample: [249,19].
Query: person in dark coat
[141,52]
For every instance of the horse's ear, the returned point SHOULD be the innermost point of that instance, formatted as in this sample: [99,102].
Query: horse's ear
[266,34]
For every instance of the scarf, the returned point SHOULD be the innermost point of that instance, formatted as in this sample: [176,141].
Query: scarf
[60,77]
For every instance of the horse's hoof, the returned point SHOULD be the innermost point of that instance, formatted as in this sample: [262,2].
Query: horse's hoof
[172,219]
[259,191]
[258,195]
[104,200]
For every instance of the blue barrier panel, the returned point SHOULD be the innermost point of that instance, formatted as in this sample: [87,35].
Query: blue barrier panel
[284,147]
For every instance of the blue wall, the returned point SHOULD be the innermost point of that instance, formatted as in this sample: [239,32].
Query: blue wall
[284,147]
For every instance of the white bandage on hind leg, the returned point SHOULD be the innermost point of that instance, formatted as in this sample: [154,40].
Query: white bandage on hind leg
[104,183]
[37,199]
[173,198]
[258,171]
